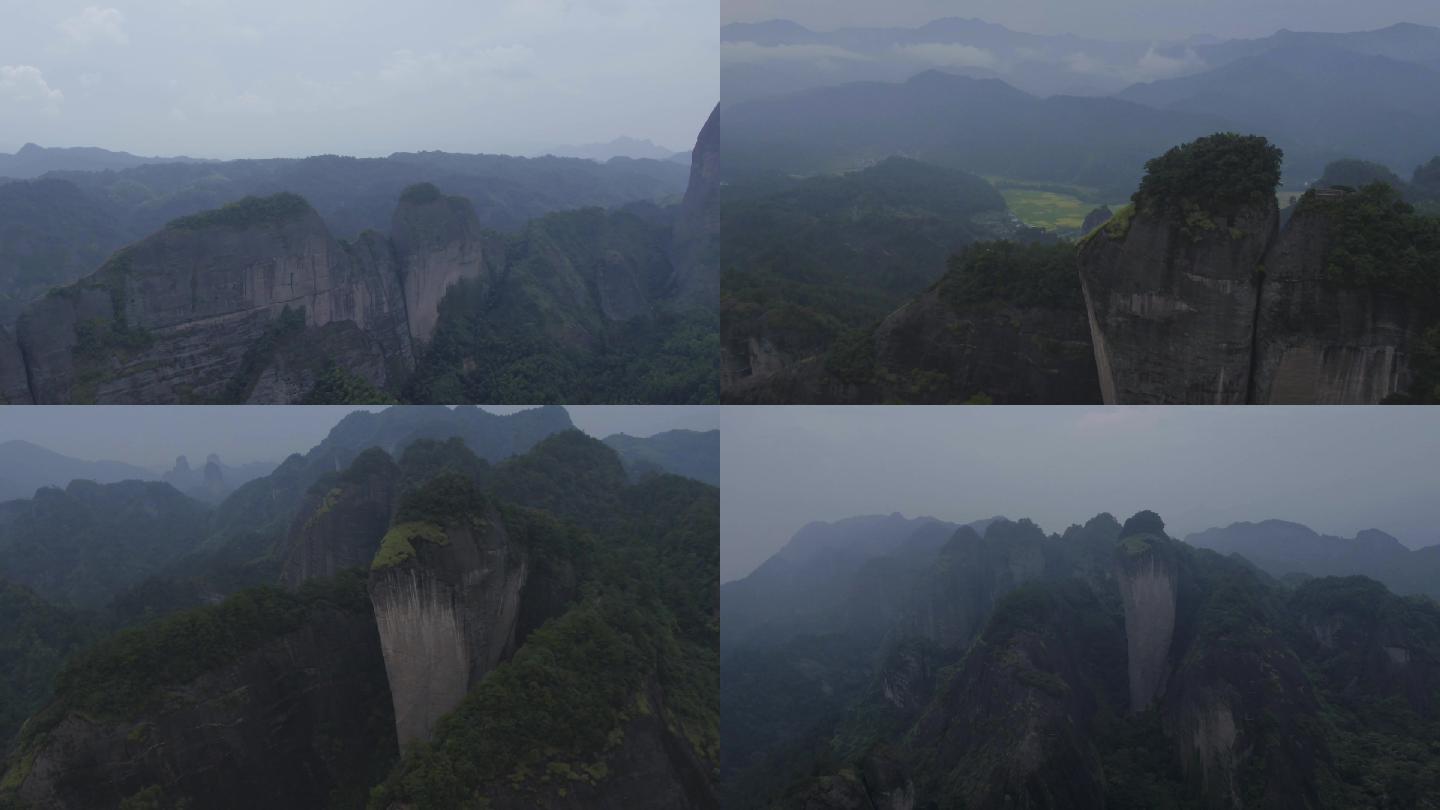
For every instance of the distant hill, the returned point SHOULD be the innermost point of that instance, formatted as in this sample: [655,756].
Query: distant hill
[1281,547]
[1406,42]
[26,467]
[33,160]
[780,56]
[984,126]
[808,586]
[691,453]
[1317,100]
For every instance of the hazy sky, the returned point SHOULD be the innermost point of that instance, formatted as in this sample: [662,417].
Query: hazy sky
[1337,470]
[1101,19]
[152,436]
[263,78]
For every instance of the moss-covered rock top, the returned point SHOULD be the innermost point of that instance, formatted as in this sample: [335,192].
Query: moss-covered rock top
[398,545]
[249,212]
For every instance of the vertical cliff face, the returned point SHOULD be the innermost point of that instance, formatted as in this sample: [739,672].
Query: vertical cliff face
[438,242]
[970,575]
[694,251]
[447,601]
[1148,590]
[340,526]
[1320,342]
[195,312]
[14,380]
[1172,304]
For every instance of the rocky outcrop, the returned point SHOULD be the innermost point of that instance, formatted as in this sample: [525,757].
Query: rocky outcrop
[1148,591]
[694,251]
[439,242]
[1011,730]
[447,602]
[195,312]
[295,724]
[1318,342]
[1096,218]
[1241,311]
[1172,305]
[340,526]
[969,576]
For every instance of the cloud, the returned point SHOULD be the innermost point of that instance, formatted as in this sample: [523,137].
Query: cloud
[95,24]
[941,53]
[407,69]
[1119,419]
[1155,65]
[753,53]
[26,84]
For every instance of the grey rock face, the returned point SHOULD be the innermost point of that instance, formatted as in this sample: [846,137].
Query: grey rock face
[447,616]
[1172,314]
[695,249]
[1318,342]
[1147,588]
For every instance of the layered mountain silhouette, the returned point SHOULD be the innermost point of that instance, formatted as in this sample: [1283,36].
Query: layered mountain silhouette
[1108,665]
[260,301]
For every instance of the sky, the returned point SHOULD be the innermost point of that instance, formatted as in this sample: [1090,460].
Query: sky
[152,436]
[280,78]
[1100,19]
[1337,470]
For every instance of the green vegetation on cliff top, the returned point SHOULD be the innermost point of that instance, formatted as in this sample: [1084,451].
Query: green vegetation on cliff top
[248,212]
[1210,178]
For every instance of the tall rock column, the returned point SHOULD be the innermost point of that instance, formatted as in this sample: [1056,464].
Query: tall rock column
[1147,588]
[447,597]
[438,241]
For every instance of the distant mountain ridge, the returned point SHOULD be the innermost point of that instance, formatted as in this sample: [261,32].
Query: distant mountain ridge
[623,147]
[1281,547]
[63,225]
[26,467]
[33,160]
